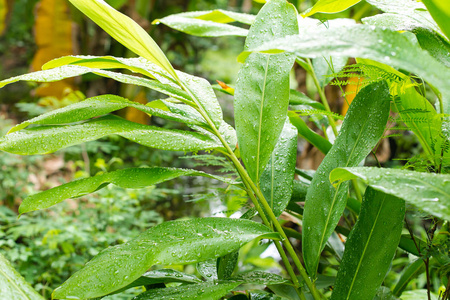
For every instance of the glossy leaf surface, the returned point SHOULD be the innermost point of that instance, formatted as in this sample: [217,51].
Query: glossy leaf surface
[330,6]
[262,89]
[174,242]
[133,178]
[427,191]
[370,247]
[388,47]
[13,285]
[298,98]
[48,139]
[226,265]
[363,126]
[276,179]
[440,11]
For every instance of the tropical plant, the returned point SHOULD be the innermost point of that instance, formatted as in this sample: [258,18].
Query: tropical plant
[400,53]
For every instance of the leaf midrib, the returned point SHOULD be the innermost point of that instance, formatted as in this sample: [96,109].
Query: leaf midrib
[261,108]
[13,283]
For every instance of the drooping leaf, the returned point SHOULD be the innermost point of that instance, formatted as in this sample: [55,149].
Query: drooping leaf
[298,98]
[440,11]
[13,285]
[329,6]
[434,44]
[392,48]
[133,178]
[174,242]
[203,291]
[220,16]
[48,139]
[276,179]
[409,273]
[126,31]
[199,27]
[304,131]
[262,89]
[97,106]
[427,191]
[371,246]
[363,126]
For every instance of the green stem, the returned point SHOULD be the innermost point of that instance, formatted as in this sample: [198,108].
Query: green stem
[322,96]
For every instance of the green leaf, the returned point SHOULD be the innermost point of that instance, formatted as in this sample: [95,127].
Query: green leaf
[329,6]
[409,273]
[262,89]
[48,139]
[125,31]
[298,98]
[384,293]
[427,191]
[259,277]
[392,48]
[304,131]
[97,106]
[203,291]
[276,179]
[440,11]
[175,242]
[198,27]
[362,128]
[370,247]
[226,265]
[434,44]
[326,67]
[208,269]
[219,16]
[13,285]
[133,178]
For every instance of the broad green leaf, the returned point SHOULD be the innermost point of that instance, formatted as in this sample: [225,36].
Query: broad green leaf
[208,269]
[203,291]
[97,106]
[370,247]
[419,294]
[440,11]
[226,265]
[174,242]
[219,16]
[408,274]
[198,27]
[434,44]
[262,90]
[125,31]
[361,130]
[427,191]
[329,6]
[133,178]
[48,139]
[392,48]
[298,98]
[304,131]
[13,285]
[276,179]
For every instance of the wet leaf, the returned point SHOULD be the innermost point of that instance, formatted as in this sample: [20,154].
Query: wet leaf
[392,48]
[276,179]
[48,139]
[174,242]
[219,16]
[361,130]
[298,98]
[259,277]
[133,178]
[208,269]
[440,12]
[427,191]
[262,89]
[325,67]
[13,285]
[371,246]
[329,6]
[226,265]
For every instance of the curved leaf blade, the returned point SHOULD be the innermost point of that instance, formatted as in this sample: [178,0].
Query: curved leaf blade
[440,13]
[219,16]
[329,6]
[48,139]
[132,178]
[363,126]
[174,242]
[370,247]
[262,90]
[427,191]
[13,285]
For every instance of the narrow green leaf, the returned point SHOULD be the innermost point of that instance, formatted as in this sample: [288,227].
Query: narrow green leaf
[13,285]
[408,274]
[361,130]
[133,178]
[298,98]
[304,131]
[126,31]
[262,89]
[198,27]
[226,265]
[203,291]
[276,179]
[259,277]
[219,16]
[427,191]
[97,106]
[392,48]
[440,11]
[329,6]
[370,247]
[48,139]
[175,242]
